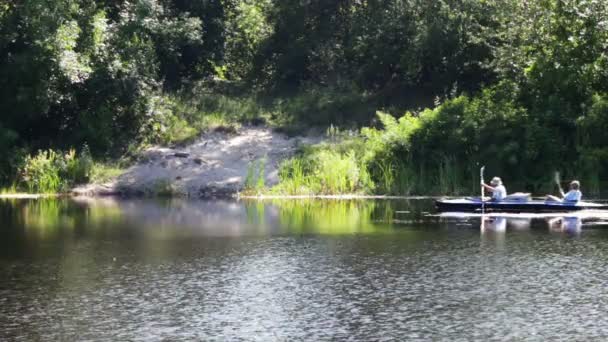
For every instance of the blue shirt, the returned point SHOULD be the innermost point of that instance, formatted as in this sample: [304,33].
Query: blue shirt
[573,196]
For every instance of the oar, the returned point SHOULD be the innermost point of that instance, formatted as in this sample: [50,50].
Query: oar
[483,191]
[482,188]
[559,183]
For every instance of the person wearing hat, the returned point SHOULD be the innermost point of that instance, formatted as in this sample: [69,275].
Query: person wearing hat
[573,195]
[499,192]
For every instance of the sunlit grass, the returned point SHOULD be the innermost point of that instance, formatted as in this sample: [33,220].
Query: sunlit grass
[9,190]
[255,183]
[104,172]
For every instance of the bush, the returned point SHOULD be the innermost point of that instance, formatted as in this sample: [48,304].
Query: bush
[440,150]
[51,171]
[336,173]
[292,178]
[326,169]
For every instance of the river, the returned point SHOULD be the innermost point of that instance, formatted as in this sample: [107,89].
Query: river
[297,270]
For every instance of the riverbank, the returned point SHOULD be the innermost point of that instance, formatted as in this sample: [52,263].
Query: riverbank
[217,164]
[334,197]
[27,196]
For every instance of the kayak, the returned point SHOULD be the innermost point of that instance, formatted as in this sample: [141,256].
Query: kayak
[475,204]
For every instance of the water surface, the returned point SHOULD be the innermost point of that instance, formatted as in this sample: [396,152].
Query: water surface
[296,270]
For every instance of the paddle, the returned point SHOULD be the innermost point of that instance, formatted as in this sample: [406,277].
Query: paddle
[559,183]
[482,188]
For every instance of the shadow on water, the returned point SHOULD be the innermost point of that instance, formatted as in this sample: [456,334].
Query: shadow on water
[109,269]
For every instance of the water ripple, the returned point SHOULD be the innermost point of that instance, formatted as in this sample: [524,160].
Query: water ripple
[442,283]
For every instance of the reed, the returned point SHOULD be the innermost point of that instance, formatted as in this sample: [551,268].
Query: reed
[292,180]
[405,179]
[261,175]
[255,182]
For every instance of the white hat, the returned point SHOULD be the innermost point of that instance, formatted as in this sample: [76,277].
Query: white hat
[496,181]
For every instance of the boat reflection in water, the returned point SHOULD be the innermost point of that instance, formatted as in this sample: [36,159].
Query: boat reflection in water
[493,229]
[501,223]
[571,225]
[493,224]
[568,223]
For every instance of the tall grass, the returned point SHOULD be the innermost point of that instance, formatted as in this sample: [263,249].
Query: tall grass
[255,182]
[386,177]
[53,171]
[374,161]
[450,179]
[250,177]
[292,178]
[336,173]
[260,183]
[405,181]
[322,171]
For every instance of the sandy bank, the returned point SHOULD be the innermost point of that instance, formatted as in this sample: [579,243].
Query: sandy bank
[215,165]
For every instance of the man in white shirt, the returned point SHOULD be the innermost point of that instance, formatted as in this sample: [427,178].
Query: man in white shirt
[573,195]
[499,192]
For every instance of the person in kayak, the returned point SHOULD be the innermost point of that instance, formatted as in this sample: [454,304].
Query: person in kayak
[499,192]
[573,195]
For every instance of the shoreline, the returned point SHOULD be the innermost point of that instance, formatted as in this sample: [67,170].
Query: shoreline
[336,197]
[30,196]
[235,196]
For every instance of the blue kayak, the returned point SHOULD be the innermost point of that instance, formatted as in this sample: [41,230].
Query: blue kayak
[475,204]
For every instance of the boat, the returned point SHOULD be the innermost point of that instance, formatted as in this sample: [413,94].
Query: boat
[513,205]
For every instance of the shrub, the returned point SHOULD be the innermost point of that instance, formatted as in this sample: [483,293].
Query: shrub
[336,173]
[292,180]
[41,173]
[326,169]
[52,171]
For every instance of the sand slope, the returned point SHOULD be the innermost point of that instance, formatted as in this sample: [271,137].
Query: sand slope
[214,165]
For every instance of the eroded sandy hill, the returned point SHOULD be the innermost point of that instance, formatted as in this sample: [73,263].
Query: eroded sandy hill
[216,164]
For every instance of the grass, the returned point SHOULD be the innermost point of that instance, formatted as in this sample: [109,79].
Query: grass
[203,112]
[54,172]
[372,162]
[255,178]
[293,181]
[186,115]
[387,175]
[51,171]
[104,172]
[9,190]
[324,169]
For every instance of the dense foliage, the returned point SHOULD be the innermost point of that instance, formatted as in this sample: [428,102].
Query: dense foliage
[521,86]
